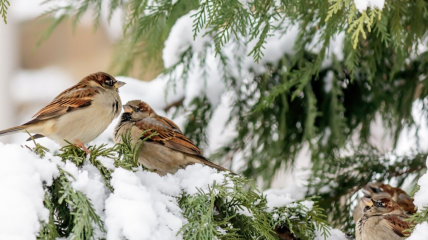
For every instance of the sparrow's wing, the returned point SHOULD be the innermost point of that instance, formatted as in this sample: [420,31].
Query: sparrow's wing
[396,224]
[70,100]
[406,202]
[168,122]
[168,135]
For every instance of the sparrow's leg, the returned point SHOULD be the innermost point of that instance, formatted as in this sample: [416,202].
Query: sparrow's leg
[79,144]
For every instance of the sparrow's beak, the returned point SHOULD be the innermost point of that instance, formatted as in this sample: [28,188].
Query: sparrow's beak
[366,192]
[367,201]
[119,84]
[128,109]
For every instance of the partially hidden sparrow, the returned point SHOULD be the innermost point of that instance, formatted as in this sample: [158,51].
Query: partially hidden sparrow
[377,189]
[382,219]
[167,151]
[396,193]
[79,114]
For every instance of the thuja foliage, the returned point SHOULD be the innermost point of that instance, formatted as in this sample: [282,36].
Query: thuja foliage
[231,209]
[4,5]
[303,99]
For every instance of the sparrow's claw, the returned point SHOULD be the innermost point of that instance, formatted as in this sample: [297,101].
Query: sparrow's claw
[79,144]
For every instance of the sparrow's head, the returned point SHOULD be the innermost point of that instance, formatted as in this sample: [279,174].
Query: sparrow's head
[104,80]
[396,194]
[379,205]
[138,110]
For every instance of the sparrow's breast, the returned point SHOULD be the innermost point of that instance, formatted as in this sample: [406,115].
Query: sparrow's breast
[88,123]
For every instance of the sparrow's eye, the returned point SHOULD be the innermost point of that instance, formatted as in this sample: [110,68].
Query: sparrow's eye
[379,204]
[375,190]
[110,82]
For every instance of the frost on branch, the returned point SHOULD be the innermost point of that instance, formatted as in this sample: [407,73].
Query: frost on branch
[68,194]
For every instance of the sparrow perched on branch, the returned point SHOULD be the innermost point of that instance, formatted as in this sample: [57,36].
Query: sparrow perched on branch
[397,195]
[78,114]
[168,150]
[376,189]
[382,219]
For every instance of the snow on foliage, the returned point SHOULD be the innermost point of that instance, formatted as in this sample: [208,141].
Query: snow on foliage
[420,232]
[143,205]
[421,202]
[22,174]
[362,5]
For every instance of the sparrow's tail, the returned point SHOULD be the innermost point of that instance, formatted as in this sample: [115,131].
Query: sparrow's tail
[220,168]
[11,130]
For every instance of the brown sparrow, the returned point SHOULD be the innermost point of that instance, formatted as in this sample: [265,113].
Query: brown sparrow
[78,114]
[166,152]
[397,195]
[382,219]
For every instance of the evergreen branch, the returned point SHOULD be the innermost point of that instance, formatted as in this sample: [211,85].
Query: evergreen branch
[129,152]
[83,213]
[301,220]
[4,5]
[49,229]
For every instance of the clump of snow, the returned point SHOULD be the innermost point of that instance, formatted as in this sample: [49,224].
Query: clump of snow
[22,174]
[198,176]
[420,232]
[174,47]
[328,81]
[335,234]
[135,211]
[362,5]
[277,198]
[421,202]
[421,197]
[144,204]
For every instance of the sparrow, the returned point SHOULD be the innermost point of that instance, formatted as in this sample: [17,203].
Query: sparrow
[382,219]
[79,114]
[397,195]
[168,150]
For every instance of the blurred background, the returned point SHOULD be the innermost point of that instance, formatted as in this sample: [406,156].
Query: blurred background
[319,113]
[33,72]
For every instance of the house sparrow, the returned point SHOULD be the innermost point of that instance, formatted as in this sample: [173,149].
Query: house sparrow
[78,114]
[382,219]
[397,195]
[165,152]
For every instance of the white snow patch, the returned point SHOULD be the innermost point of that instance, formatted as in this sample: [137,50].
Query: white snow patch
[335,234]
[362,5]
[277,198]
[136,211]
[421,197]
[22,174]
[328,81]
[420,232]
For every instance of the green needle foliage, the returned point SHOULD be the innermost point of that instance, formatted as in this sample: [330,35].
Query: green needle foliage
[321,100]
[4,5]
[232,209]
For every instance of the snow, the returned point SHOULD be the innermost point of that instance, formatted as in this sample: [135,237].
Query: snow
[421,197]
[328,81]
[22,174]
[420,232]
[135,211]
[143,206]
[421,202]
[277,198]
[362,5]
[335,234]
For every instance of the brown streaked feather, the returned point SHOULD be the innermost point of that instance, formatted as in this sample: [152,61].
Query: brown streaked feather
[69,100]
[167,135]
[170,123]
[397,224]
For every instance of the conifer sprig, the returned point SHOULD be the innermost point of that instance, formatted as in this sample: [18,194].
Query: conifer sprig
[4,5]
